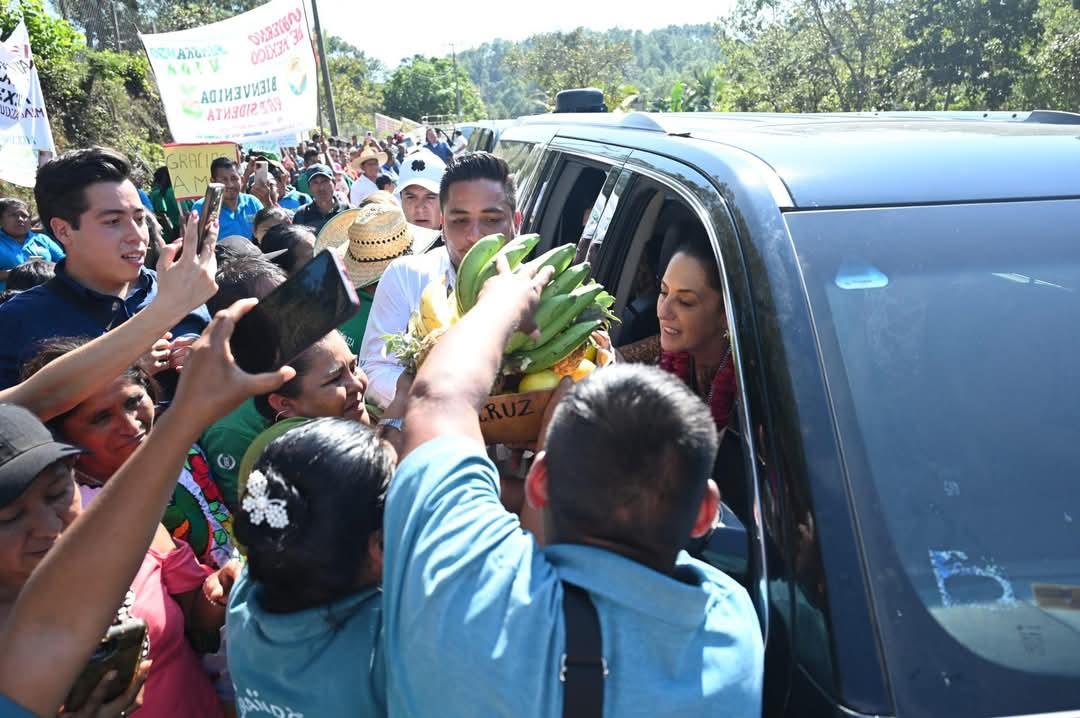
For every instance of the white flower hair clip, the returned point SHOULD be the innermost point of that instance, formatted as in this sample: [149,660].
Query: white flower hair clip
[261,507]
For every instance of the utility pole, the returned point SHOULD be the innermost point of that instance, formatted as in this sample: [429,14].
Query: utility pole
[457,90]
[116,25]
[331,110]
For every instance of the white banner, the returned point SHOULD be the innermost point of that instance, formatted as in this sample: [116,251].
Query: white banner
[24,125]
[250,76]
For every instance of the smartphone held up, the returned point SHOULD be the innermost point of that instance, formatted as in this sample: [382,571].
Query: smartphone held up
[301,311]
[211,210]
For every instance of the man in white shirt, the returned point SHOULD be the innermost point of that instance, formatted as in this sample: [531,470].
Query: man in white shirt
[368,163]
[477,197]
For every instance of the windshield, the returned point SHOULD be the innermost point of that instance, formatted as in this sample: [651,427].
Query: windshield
[951,343]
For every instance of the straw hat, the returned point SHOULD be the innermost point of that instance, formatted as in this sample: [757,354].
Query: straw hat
[369,153]
[369,238]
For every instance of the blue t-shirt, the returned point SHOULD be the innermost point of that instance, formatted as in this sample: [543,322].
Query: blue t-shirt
[13,252]
[240,221]
[68,309]
[473,614]
[11,709]
[325,661]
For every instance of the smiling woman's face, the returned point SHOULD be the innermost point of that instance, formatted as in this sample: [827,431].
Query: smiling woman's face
[110,425]
[30,525]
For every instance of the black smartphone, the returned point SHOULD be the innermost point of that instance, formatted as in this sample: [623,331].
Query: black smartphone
[300,312]
[211,208]
[121,650]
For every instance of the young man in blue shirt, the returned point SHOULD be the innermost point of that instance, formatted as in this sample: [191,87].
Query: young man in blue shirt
[88,204]
[473,606]
[238,209]
[19,243]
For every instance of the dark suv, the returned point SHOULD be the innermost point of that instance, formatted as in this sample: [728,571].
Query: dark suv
[904,298]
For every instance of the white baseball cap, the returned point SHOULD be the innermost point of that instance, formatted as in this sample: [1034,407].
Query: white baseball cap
[422,167]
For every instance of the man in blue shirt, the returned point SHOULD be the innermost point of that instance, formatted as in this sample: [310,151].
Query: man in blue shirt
[89,205]
[473,606]
[238,209]
[18,243]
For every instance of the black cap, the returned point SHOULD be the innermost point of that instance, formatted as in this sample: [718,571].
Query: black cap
[26,449]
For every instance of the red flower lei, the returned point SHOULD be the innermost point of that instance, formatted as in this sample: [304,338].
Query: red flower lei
[721,396]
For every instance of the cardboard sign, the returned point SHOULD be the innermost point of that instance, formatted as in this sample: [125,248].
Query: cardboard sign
[189,166]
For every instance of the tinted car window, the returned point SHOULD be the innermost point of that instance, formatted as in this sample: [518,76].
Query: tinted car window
[950,344]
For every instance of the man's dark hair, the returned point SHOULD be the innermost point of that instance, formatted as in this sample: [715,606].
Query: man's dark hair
[311,154]
[288,237]
[30,274]
[222,163]
[629,451]
[267,213]
[60,191]
[474,166]
[384,181]
[162,178]
[243,277]
[322,554]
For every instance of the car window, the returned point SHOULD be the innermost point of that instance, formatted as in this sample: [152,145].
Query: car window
[949,342]
[570,193]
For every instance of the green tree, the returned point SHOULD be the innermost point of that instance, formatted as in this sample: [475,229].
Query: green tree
[974,50]
[426,86]
[352,77]
[561,60]
[1054,82]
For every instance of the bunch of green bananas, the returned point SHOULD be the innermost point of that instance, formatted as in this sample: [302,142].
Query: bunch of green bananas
[570,310]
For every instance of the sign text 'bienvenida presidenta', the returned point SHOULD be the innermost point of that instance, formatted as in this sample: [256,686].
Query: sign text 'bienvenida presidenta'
[250,76]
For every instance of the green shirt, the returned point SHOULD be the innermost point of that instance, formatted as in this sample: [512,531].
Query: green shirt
[225,443]
[353,330]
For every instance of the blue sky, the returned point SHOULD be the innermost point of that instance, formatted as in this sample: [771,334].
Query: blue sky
[429,27]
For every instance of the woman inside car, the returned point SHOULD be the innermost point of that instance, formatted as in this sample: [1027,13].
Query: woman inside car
[694,343]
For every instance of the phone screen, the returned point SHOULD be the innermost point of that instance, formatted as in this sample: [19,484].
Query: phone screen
[300,312]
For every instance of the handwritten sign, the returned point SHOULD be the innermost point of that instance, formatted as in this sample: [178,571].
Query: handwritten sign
[189,166]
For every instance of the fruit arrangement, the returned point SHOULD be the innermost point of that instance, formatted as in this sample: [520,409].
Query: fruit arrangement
[572,317]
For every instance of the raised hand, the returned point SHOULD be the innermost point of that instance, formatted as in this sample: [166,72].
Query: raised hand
[187,281]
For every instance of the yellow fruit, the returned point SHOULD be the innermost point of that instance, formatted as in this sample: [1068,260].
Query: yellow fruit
[569,365]
[546,379]
[590,352]
[585,368]
[434,307]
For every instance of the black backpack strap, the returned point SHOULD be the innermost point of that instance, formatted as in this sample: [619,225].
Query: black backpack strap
[583,667]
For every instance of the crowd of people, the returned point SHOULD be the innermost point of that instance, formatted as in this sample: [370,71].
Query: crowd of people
[333,538]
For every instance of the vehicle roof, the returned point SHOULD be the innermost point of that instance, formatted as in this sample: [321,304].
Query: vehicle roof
[876,159]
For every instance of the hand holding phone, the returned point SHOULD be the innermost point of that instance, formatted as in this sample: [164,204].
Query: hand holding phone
[211,210]
[120,653]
